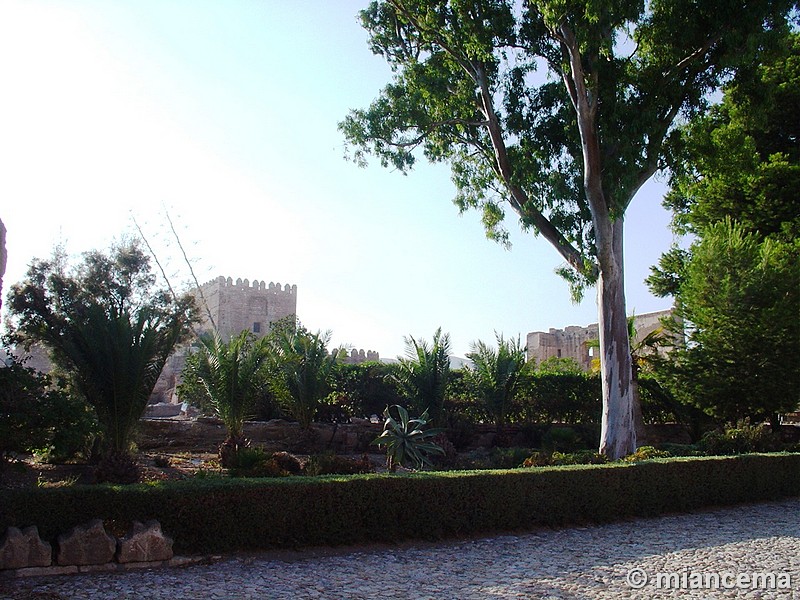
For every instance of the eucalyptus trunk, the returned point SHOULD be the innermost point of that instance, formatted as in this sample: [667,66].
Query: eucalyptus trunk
[618,434]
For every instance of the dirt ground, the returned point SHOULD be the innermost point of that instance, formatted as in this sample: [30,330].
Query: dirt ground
[155,466]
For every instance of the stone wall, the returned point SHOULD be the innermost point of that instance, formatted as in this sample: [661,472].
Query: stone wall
[573,342]
[234,307]
[356,357]
[240,305]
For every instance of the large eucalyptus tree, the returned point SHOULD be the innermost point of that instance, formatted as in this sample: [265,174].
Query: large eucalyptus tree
[558,109]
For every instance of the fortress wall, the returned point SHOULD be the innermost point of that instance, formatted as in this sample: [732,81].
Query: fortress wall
[239,305]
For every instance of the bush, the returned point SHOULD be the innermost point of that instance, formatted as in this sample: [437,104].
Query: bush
[582,457]
[365,389]
[255,462]
[333,464]
[496,458]
[222,515]
[742,439]
[38,417]
[646,453]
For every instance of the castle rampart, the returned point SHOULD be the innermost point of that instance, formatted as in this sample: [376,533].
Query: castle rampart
[240,305]
[574,342]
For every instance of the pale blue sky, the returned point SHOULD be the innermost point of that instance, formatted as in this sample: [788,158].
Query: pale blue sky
[226,113]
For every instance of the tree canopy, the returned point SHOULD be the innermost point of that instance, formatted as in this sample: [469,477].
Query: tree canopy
[559,111]
[742,159]
[739,300]
[106,326]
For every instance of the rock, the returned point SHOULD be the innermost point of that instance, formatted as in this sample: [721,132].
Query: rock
[162,410]
[23,549]
[86,545]
[144,543]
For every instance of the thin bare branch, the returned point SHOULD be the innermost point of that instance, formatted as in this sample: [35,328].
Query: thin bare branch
[191,270]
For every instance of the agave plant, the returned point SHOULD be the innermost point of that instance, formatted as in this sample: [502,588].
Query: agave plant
[406,440]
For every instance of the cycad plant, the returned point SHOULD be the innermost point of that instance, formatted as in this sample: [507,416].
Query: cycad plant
[109,332]
[406,440]
[423,374]
[497,375]
[301,370]
[231,374]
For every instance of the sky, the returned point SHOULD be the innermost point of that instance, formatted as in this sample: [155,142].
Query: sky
[223,116]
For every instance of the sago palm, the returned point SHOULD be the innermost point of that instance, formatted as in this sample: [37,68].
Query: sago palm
[109,332]
[232,374]
[497,375]
[423,374]
[301,372]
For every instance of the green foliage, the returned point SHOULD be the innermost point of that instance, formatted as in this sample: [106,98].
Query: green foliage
[556,365]
[562,398]
[510,135]
[498,375]
[231,374]
[740,299]
[333,464]
[106,327]
[423,373]
[406,440]
[256,462]
[735,183]
[568,149]
[365,389]
[39,417]
[301,371]
[646,453]
[741,160]
[215,515]
[741,439]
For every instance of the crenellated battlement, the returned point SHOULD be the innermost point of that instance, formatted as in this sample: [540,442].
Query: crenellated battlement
[241,305]
[359,356]
[244,284]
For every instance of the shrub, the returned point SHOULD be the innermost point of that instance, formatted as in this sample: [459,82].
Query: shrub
[256,462]
[365,389]
[742,439]
[333,464]
[582,457]
[538,459]
[37,417]
[222,515]
[646,453]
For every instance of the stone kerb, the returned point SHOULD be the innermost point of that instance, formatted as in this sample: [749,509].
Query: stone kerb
[144,543]
[21,549]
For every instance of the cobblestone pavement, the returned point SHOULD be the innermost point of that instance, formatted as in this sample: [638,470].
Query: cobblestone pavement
[758,544]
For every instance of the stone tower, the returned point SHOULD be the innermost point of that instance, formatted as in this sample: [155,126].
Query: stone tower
[234,307]
[240,305]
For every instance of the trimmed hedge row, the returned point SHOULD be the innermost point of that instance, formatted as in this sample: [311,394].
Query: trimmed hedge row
[221,515]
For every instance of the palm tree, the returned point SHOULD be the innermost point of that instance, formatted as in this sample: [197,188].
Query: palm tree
[110,333]
[232,374]
[497,375]
[301,371]
[423,374]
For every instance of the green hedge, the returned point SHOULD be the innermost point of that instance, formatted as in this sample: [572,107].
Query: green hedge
[221,515]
